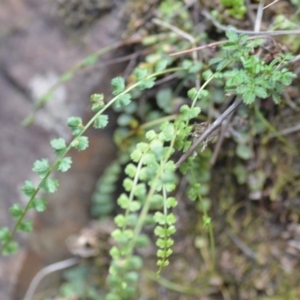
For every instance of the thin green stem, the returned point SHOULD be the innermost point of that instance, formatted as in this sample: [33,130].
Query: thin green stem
[158,121]
[165,200]
[173,286]
[165,228]
[149,124]
[54,165]
[209,225]
[146,206]
[202,87]
[135,182]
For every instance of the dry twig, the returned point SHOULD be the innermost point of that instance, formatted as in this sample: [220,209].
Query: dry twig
[209,131]
[46,271]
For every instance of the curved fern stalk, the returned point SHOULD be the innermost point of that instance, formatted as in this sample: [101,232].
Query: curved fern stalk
[164,230]
[155,168]
[63,163]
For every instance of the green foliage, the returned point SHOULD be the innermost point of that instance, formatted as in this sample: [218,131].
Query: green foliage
[77,284]
[102,199]
[25,226]
[169,7]
[236,8]
[49,185]
[41,167]
[97,101]
[16,211]
[59,145]
[28,188]
[80,143]
[101,121]
[164,99]
[9,247]
[39,204]
[123,100]
[150,171]
[64,164]
[75,124]
[118,85]
[249,76]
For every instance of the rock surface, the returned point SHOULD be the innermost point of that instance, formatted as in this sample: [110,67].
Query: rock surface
[35,48]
